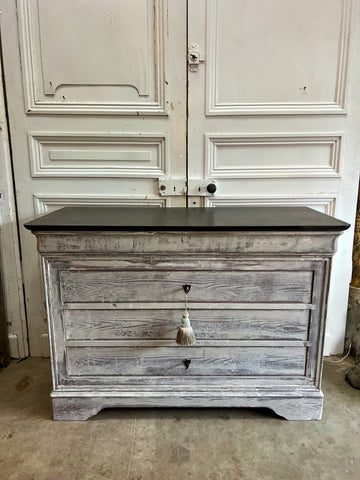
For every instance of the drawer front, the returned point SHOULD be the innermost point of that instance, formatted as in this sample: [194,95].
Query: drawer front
[168,361]
[166,286]
[208,324]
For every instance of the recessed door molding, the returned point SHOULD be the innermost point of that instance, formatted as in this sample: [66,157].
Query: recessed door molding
[42,77]
[80,154]
[214,57]
[280,155]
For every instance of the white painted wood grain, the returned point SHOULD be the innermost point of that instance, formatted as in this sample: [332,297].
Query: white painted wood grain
[163,324]
[299,406]
[162,286]
[172,243]
[169,361]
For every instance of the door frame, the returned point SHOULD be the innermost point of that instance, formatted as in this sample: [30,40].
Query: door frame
[9,245]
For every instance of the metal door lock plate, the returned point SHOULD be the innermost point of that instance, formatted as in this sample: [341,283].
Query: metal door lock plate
[194,57]
[194,188]
[173,187]
[201,188]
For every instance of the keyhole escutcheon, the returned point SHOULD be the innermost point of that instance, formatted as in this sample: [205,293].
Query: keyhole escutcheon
[187,362]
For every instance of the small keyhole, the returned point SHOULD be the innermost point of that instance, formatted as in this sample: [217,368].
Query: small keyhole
[187,362]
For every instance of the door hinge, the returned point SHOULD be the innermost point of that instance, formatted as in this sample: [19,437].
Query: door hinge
[194,57]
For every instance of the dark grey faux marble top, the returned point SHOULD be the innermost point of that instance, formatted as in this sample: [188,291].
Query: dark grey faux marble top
[183,219]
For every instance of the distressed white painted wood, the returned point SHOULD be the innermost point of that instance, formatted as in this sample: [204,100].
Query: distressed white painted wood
[194,305]
[256,47]
[10,265]
[163,286]
[324,203]
[207,361]
[264,156]
[130,80]
[77,154]
[257,307]
[46,203]
[175,242]
[163,324]
[291,407]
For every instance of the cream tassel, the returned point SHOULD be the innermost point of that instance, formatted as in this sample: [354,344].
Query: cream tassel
[185,335]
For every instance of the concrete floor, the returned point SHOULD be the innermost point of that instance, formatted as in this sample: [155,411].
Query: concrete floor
[169,444]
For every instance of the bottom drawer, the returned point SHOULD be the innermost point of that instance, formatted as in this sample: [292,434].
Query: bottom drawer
[169,361]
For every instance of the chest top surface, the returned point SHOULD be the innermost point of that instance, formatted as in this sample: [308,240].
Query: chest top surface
[186,219]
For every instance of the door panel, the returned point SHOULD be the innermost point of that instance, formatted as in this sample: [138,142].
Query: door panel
[274,156]
[273,111]
[71,65]
[288,57]
[79,154]
[97,110]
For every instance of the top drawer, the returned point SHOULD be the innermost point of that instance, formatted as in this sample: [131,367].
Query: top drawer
[287,286]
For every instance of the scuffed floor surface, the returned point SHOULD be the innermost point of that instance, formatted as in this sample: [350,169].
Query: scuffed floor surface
[169,444]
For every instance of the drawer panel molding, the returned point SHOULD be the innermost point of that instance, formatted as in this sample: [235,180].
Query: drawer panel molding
[236,286]
[162,324]
[168,361]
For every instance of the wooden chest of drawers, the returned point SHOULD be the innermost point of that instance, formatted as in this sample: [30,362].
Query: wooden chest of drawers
[114,285]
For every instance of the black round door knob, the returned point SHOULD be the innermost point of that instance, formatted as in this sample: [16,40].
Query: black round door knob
[211,188]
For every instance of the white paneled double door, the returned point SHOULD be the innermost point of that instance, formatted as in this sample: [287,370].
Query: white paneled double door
[156,102]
